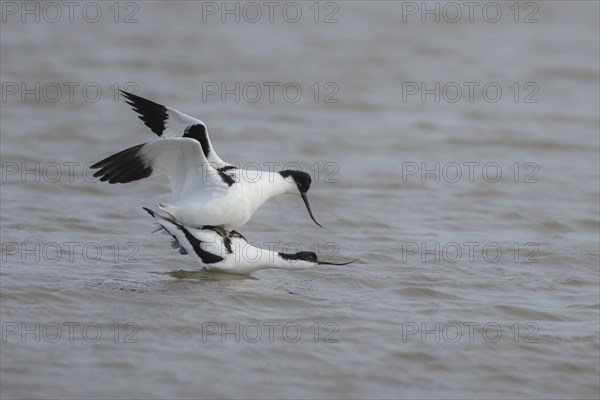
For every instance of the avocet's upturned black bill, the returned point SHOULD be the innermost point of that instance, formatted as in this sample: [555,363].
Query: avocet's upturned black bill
[231,252]
[205,190]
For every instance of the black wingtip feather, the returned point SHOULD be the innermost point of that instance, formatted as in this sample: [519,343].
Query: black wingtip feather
[149,211]
[123,167]
[152,114]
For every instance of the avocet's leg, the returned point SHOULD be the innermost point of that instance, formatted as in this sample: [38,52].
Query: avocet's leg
[235,233]
[219,229]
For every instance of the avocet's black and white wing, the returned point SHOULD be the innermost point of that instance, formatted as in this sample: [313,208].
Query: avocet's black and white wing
[167,122]
[182,160]
[188,243]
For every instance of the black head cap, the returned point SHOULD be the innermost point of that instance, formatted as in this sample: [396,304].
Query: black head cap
[301,255]
[301,178]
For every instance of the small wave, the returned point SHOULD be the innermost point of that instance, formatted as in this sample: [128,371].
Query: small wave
[427,293]
[528,313]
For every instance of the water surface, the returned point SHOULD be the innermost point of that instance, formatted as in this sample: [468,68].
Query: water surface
[470,285]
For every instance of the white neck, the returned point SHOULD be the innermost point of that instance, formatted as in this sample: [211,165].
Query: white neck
[265,185]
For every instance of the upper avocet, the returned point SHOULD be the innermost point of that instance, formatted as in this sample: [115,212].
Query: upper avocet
[206,192]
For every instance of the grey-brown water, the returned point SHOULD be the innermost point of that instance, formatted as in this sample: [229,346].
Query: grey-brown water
[459,160]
